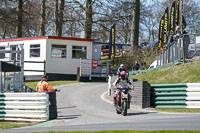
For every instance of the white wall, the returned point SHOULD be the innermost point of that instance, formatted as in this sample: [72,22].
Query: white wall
[198,39]
[65,65]
[34,66]
[30,66]
[53,65]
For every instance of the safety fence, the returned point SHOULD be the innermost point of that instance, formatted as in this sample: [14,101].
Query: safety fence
[27,107]
[135,72]
[93,68]
[187,47]
[175,95]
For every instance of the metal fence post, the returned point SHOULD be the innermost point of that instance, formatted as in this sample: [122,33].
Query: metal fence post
[157,60]
[169,53]
[173,51]
[90,76]
[107,70]
[80,67]
[179,49]
[163,57]
[166,56]
[22,69]
[176,51]
[160,59]
[183,50]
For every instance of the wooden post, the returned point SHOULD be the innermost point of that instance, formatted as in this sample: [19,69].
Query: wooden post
[44,67]
[109,85]
[78,74]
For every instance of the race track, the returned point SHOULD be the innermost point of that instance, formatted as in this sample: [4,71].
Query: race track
[81,108]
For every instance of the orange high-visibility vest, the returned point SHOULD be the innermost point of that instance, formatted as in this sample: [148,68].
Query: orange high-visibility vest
[43,86]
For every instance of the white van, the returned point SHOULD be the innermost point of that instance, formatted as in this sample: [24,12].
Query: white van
[154,64]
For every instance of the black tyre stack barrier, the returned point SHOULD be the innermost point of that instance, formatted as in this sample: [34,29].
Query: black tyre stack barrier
[52,106]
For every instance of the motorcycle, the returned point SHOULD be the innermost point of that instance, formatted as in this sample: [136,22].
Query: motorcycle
[122,100]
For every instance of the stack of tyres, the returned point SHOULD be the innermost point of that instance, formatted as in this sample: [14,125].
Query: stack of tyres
[52,106]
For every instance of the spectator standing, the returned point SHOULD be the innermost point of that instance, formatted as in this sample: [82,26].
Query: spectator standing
[186,42]
[136,66]
[178,33]
[170,40]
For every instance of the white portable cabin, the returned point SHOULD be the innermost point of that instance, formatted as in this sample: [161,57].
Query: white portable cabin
[57,57]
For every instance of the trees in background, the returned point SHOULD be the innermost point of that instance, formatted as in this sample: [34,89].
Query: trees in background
[43,18]
[59,12]
[30,18]
[135,24]
[19,11]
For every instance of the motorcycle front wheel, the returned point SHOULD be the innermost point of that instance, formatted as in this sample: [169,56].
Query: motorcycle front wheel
[124,108]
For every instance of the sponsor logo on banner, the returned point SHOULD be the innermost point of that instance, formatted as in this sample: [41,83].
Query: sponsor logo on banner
[94,64]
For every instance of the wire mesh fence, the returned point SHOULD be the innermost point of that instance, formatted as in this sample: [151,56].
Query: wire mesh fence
[11,68]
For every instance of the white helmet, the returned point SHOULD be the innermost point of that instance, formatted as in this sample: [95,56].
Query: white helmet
[122,65]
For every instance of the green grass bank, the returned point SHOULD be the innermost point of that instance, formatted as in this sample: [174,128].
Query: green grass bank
[184,73]
[131,131]
[52,83]
[8,125]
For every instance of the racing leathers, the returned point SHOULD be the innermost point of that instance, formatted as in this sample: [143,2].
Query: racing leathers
[121,83]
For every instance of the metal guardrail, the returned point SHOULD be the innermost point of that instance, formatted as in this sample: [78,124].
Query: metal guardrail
[183,48]
[30,107]
[175,95]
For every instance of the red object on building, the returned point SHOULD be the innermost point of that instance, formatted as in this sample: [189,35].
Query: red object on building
[94,64]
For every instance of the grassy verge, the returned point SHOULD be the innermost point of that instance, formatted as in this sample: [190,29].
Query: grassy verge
[8,125]
[179,110]
[132,131]
[52,83]
[185,73]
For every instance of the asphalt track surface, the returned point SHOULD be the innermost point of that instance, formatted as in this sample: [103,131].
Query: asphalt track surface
[81,108]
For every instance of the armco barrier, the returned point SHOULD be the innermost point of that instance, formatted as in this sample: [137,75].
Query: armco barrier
[175,95]
[30,107]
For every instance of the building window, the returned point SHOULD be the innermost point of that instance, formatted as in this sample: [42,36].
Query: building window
[2,55]
[59,51]
[35,50]
[79,52]
[14,56]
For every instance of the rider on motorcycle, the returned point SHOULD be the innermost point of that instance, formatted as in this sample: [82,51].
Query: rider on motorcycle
[120,69]
[122,82]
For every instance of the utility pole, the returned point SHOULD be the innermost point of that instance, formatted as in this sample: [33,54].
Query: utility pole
[181,27]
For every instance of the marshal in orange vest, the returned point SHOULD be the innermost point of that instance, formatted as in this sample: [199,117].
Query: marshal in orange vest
[43,86]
